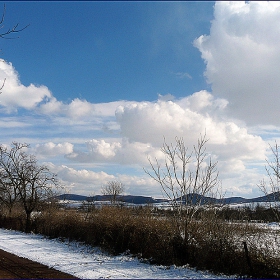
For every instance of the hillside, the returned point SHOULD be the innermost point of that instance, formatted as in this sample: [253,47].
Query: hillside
[190,198]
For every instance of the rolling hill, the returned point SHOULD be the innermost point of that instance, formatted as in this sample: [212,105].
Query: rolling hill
[190,198]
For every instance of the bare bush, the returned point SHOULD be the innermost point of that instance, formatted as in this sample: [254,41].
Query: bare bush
[185,178]
[271,188]
[214,245]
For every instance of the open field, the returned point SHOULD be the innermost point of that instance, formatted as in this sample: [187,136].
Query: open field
[87,262]
[145,235]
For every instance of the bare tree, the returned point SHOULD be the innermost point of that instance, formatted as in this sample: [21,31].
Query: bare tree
[272,188]
[88,205]
[8,192]
[8,34]
[24,180]
[185,178]
[9,183]
[113,189]
[10,31]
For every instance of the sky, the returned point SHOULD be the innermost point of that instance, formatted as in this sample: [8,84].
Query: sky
[95,87]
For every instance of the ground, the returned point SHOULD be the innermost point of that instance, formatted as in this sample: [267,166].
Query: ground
[14,267]
[84,261]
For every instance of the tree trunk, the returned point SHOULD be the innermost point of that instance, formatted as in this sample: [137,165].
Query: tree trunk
[28,222]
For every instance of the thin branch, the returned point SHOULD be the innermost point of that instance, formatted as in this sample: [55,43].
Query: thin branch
[13,30]
[2,85]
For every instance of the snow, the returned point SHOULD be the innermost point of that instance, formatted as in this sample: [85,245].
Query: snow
[253,205]
[86,262]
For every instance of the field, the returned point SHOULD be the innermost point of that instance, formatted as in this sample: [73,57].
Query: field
[88,262]
[92,241]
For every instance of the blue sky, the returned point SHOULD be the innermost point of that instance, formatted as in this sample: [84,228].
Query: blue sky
[94,87]
[107,51]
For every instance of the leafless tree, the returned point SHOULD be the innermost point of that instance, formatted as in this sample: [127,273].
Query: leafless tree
[113,189]
[24,180]
[9,33]
[8,191]
[185,178]
[88,205]
[9,183]
[271,188]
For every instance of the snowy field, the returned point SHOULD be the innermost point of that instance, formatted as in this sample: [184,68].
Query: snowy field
[166,205]
[89,263]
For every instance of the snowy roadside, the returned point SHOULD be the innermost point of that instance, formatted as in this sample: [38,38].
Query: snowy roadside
[89,263]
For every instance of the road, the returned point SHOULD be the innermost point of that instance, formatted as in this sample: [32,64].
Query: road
[14,267]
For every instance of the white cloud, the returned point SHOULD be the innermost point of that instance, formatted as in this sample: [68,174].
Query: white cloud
[120,151]
[80,181]
[12,122]
[204,102]
[82,176]
[166,97]
[143,125]
[183,75]
[79,109]
[51,149]
[102,148]
[242,56]
[148,122]
[88,182]
[15,95]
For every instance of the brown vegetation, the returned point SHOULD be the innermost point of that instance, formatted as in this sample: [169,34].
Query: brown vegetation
[211,243]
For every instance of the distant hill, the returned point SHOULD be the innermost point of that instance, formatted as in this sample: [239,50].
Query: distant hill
[136,199]
[267,198]
[75,197]
[194,198]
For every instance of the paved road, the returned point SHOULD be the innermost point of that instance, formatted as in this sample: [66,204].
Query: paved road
[14,267]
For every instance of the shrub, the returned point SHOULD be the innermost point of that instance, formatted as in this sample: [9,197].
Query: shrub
[208,243]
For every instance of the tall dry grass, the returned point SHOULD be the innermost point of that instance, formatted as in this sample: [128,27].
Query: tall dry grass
[208,242]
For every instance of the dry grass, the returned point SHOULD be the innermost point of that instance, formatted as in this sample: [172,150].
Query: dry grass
[209,242]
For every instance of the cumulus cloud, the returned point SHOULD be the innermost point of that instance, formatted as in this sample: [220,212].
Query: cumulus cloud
[166,97]
[87,182]
[80,181]
[102,148]
[149,122]
[120,151]
[51,149]
[242,56]
[82,176]
[15,95]
[78,109]
[143,126]
[204,102]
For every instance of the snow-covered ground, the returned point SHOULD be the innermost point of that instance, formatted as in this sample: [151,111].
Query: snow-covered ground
[167,205]
[89,263]
[253,205]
